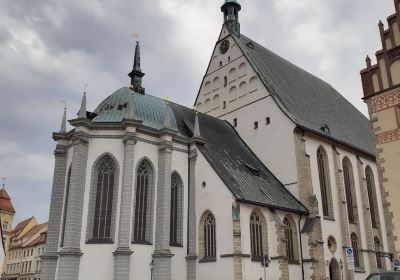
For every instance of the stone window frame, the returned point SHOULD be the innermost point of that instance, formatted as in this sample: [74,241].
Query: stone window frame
[350,192]
[92,201]
[65,205]
[325,182]
[176,224]
[291,240]
[208,253]
[372,199]
[262,242]
[355,244]
[150,204]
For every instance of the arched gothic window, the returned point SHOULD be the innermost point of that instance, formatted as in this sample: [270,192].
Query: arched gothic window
[377,245]
[324,181]
[66,195]
[176,210]
[257,236]
[143,203]
[349,188]
[356,249]
[290,240]
[373,207]
[103,200]
[105,173]
[208,241]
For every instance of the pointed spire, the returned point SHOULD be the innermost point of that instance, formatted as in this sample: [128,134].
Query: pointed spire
[167,119]
[63,128]
[131,107]
[136,74]
[196,128]
[368,61]
[82,111]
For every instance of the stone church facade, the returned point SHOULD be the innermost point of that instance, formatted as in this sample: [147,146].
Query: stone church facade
[381,84]
[273,162]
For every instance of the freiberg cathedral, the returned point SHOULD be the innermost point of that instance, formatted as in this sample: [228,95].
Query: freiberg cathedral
[273,165]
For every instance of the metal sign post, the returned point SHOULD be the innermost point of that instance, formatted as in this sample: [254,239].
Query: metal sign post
[264,264]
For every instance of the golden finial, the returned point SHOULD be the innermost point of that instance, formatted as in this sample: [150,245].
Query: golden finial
[135,36]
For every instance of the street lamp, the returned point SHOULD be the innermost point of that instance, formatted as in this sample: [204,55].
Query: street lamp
[151,268]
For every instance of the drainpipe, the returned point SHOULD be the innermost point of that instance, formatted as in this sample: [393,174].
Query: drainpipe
[301,249]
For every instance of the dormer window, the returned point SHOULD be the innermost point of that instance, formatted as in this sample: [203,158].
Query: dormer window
[254,171]
[325,128]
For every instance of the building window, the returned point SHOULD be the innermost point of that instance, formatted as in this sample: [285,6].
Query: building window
[208,242]
[257,236]
[255,125]
[349,188]
[176,210]
[373,205]
[235,122]
[324,181]
[64,219]
[105,174]
[377,245]
[267,120]
[143,204]
[5,226]
[356,250]
[290,240]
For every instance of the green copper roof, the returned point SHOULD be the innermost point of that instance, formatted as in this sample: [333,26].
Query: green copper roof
[149,109]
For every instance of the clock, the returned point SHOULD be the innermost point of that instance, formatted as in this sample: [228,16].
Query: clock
[224,47]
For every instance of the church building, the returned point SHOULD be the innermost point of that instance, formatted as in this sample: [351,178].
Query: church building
[272,166]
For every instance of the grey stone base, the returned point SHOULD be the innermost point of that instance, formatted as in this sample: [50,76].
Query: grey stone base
[191,262]
[162,265]
[68,266]
[122,263]
[49,266]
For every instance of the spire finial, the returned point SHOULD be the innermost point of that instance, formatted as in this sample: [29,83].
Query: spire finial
[82,111]
[63,128]
[167,119]
[231,10]
[136,74]
[4,182]
[196,128]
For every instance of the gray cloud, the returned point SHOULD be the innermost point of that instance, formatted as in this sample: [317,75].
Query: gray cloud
[50,49]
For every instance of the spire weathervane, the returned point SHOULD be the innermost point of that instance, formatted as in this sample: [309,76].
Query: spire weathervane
[136,74]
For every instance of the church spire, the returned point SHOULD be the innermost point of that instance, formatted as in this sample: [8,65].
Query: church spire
[136,74]
[231,10]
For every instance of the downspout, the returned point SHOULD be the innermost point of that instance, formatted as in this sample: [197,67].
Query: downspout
[301,249]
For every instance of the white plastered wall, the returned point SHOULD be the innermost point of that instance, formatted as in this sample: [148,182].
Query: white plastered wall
[217,198]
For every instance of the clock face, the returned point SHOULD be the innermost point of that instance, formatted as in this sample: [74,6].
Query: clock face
[224,47]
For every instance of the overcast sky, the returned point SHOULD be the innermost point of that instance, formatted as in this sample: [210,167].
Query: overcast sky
[49,49]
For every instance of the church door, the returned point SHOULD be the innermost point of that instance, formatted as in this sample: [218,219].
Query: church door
[334,270]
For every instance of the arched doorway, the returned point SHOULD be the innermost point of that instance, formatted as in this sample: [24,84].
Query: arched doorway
[334,270]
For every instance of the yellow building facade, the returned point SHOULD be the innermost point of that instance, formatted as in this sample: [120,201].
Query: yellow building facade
[381,85]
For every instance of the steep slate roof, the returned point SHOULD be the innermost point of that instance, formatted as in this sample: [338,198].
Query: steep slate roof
[243,173]
[5,201]
[309,101]
[224,150]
